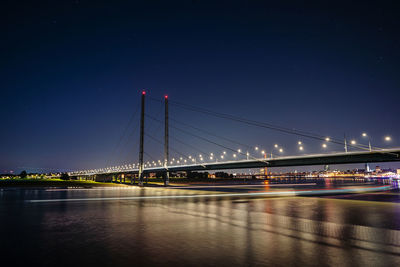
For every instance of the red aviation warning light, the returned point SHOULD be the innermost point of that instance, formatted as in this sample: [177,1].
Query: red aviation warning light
[143,92]
[166,96]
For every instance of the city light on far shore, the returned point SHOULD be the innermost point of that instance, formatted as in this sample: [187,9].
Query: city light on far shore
[388,138]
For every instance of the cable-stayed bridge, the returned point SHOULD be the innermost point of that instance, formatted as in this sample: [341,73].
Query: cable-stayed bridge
[242,159]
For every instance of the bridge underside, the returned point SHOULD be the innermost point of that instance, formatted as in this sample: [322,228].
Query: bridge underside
[345,158]
[391,155]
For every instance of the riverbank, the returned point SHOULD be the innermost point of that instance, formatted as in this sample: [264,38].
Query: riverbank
[53,183]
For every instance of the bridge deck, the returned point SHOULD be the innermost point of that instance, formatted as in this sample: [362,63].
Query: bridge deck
[386,155]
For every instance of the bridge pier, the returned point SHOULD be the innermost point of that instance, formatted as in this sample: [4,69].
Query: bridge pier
[141,164]
[166,146]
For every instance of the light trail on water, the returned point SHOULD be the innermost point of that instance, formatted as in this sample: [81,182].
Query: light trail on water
[222,195]
[180,187]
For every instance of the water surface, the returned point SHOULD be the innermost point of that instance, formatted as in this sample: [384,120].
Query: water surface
[213,231]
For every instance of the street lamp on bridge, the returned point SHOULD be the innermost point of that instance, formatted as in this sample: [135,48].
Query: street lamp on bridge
[369,140]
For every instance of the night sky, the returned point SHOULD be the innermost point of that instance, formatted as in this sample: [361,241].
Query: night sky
[72,73]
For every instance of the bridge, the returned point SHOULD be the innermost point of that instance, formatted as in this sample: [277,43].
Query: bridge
[365,153]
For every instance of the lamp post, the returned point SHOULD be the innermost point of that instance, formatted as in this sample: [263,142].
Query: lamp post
[369,141]
[275,146]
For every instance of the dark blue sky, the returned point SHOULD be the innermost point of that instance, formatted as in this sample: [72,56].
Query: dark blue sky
[72,72]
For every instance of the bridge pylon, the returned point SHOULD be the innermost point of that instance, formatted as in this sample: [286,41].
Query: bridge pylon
[166,145]
[141,164]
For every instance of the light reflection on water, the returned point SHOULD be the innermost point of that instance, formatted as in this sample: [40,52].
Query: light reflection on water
[271,231]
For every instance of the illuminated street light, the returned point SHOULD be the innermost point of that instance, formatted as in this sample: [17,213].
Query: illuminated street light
[299,142]
[327,139]
[369,141]
[276,145]
[224,152]
[301,148]
[324,145]
[280,150]
[353,142]
[239,150]
[234,155]
[263,152]
[222,156]
[256,148]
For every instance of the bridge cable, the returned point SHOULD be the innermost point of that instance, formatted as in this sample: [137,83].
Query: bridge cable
[267,125]
[188,145]
[207,140]
[125,130]
[212,134]
[158,141]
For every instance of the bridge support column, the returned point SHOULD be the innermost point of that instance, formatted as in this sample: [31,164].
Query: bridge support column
[141,165]
[166,148]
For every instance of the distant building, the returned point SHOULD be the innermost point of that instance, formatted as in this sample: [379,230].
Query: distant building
[378,169]
[367,169]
